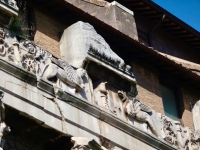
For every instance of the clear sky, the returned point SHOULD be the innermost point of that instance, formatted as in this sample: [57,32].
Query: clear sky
[186,10]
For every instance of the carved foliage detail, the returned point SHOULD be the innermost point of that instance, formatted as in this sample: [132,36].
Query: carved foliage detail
[34,59]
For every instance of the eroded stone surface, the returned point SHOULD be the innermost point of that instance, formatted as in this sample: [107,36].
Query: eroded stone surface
[78,39]
[56,110]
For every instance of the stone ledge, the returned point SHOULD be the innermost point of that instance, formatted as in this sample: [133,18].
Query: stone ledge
[82,104]
[9,9]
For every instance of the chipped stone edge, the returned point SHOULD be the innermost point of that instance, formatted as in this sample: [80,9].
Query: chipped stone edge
[97,2]
[115,3]
[118,72]
[80,103]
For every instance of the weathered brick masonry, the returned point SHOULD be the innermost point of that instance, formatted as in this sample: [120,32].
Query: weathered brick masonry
[148,87]
[189,98]
[48,31]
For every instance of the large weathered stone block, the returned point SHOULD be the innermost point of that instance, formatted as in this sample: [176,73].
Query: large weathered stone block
[78,39]
[112,14]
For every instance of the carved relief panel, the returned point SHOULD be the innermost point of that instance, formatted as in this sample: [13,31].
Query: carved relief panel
[99,81]
[105,96]
[196,115]
[34,59]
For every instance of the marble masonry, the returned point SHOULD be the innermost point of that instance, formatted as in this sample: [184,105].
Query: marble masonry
[57,86]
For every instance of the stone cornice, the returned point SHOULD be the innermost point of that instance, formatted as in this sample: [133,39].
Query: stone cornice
[120,70]
[13,9]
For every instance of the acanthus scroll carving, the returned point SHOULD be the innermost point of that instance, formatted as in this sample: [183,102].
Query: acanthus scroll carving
[34,59]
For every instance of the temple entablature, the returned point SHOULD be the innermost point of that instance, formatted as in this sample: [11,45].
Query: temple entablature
[89,89]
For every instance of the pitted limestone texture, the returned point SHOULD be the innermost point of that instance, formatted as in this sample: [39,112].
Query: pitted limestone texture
[78,39]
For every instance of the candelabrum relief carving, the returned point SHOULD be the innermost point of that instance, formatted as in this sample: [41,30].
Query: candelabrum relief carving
[101,94]
[105,97]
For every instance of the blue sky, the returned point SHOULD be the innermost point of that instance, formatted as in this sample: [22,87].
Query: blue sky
[186,10]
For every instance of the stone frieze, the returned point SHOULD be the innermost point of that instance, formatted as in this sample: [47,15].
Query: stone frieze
[35,60]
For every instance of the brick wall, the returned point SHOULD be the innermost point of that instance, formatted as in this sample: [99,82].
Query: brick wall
[188,96]
[48,32]
[149,93]
[148,87]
